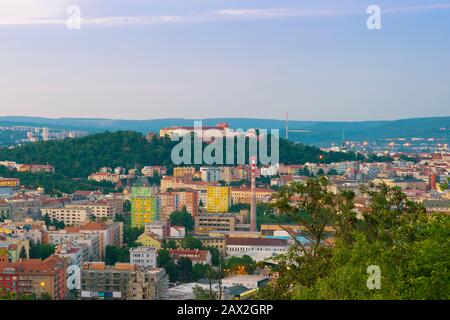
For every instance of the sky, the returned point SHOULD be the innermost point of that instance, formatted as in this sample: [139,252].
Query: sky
[148,59]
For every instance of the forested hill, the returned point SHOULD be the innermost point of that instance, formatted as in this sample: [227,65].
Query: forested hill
[82,156]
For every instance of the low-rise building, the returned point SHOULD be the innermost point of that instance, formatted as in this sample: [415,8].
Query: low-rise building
[149,240]
[437,205]
[243,195]
[218,242]
[144,257]
[248,281]
[159,228]
[196,256]
[257,248]
[36,168]
[222,222]
[183,171]
[9,182]
[151,171]
[104,176]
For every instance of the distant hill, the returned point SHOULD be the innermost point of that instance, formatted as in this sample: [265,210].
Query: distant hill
[318,132]
[77,158]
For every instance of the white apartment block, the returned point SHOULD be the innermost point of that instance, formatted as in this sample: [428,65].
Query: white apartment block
[210,174]
[143,256]
[89,242]
[71,216]
[97,209]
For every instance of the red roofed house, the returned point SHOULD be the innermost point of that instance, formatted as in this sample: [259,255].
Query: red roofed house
[196,256]
[35,276]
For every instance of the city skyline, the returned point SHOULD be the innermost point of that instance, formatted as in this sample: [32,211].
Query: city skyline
[195,59]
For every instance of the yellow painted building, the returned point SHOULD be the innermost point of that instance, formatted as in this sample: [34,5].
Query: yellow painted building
[218,198]
[144,206]
[149,240]
[9,182]
[183,171]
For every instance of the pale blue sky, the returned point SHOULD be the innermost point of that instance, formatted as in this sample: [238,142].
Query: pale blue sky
[142,59]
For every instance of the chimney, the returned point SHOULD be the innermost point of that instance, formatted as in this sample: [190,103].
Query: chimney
[253,196]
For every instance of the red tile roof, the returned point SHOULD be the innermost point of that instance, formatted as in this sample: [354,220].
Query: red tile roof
[194,255]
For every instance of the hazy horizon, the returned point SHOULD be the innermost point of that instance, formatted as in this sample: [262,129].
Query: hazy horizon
[214,117]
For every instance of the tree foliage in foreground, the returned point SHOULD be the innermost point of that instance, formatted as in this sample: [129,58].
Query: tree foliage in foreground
[394,233]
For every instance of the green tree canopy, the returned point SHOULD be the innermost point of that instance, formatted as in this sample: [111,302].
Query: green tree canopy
[190,242]
[394,234]
[182,218]
[164,260]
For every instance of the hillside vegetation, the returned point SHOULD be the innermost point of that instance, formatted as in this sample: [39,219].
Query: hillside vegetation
[77,158]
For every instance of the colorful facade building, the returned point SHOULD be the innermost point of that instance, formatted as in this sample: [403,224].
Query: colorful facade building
[218,198]
[149,240]
[144,206]
[9,182]
[176,200]
[243,195]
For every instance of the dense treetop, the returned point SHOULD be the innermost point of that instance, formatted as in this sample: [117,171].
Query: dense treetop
[77,158]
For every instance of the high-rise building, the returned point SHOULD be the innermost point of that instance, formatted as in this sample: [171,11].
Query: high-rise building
[218,198]
[176,200]
[144,206]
